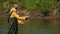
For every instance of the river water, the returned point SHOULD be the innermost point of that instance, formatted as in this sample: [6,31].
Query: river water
[33,26]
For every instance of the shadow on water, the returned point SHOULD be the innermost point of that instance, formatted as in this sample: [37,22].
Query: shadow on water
[34,26]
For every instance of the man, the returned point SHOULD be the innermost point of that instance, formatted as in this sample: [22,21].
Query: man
[15,19]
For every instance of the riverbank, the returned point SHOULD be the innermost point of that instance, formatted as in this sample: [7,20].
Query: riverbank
[4,15]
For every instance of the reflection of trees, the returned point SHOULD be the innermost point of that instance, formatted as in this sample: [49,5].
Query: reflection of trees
[45,23]
[55,23]
[55,26]
[51,23]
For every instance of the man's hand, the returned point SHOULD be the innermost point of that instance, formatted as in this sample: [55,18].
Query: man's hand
[20,22]
[27,16]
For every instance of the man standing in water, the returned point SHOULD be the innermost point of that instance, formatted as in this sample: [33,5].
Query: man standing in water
[15,19]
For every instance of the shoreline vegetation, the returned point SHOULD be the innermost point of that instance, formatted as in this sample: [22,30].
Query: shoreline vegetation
[4,15]
[37,8]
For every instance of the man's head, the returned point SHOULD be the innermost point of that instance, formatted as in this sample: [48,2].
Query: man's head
[15,5]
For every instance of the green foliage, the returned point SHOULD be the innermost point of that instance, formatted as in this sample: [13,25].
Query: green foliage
[38,4]
[45,4]
[29,4]
[1,4]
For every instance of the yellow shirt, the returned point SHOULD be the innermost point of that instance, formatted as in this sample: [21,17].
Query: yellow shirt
[14,14]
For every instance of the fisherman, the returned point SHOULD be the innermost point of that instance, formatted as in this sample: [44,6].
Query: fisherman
[14,20]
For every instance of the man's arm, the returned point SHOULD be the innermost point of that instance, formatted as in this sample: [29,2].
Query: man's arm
[17,16]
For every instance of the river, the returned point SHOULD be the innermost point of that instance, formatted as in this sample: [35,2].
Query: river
[33,26]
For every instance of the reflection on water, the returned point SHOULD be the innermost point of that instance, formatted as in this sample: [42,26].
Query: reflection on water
[34,26]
